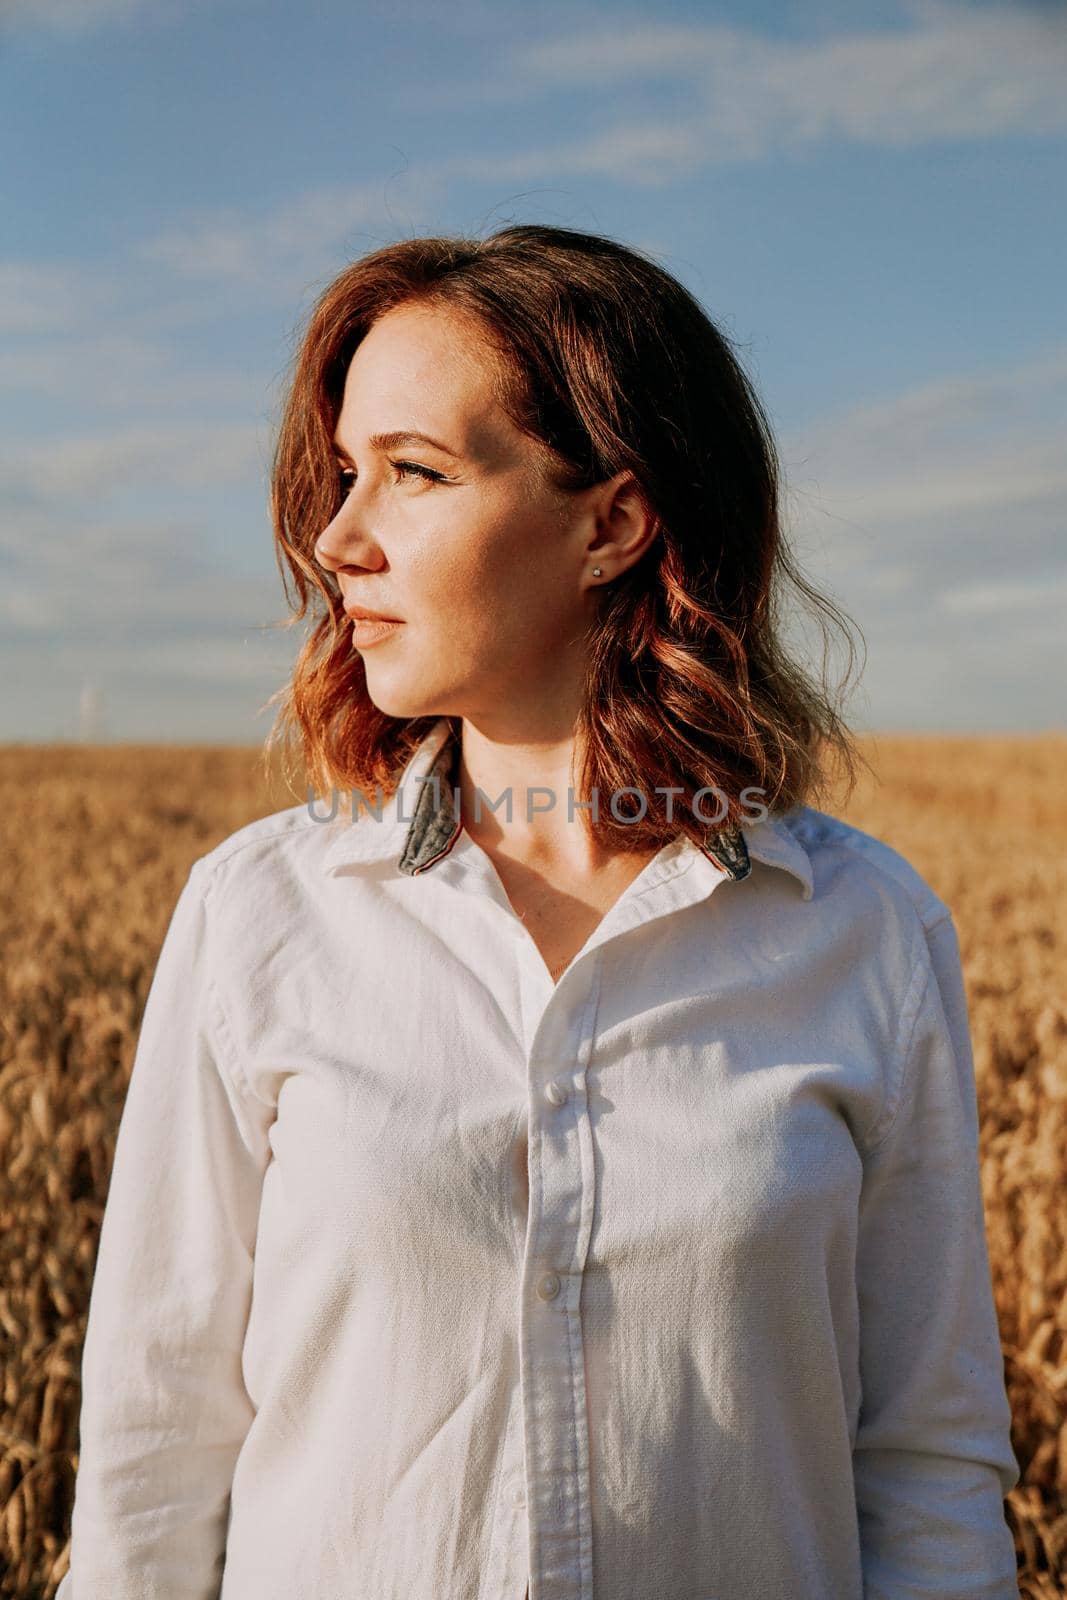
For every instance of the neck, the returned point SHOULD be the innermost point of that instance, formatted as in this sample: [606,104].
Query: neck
[532,779]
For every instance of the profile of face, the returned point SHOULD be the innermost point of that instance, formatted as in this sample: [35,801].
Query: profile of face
[484,562]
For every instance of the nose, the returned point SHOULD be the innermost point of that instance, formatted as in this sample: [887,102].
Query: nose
[344,543]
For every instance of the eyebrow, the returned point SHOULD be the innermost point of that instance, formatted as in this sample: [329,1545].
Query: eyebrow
[393,441]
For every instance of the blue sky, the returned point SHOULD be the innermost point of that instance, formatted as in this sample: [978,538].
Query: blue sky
[868,197]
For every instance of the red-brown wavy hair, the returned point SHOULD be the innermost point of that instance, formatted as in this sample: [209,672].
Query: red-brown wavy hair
[607,362]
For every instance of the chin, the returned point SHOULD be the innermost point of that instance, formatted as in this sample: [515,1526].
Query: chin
[403,689]
[395,701]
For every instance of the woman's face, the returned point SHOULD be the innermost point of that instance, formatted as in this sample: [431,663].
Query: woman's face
[487,567]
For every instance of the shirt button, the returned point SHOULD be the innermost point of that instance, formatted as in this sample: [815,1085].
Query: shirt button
[556,1093]
[548,1285]
[519,1494]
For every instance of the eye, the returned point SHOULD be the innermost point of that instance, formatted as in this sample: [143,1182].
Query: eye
[346,476]
[419,471]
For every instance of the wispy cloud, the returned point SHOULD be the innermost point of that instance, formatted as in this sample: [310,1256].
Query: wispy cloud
[173,641]
[126,373]
[72,16]
[631,152]
[949,499]
[91,467]
[117,337]
[955,71]
[72,19]
[293,245]
[954,445]
[952,72]
[937,517]
[116,582]
[1046,592]
[45,297]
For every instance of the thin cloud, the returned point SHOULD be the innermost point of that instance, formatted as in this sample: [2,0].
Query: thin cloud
[42,297]
[1041,593]
[131,586]
[647,153]
[947,500]
[288,246]
[183,456]
[957,72]
[173,637]
[126,373]
[71,16]
[71,19]
[954,445]
[954,72]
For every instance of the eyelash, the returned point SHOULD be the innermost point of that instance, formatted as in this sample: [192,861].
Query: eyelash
[413,466]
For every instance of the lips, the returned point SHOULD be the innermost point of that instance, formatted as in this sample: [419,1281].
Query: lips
[361,614]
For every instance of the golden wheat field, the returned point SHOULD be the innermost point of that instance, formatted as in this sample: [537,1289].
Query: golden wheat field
[98,842]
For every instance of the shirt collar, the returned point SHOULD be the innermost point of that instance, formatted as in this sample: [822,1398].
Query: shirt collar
[418,824]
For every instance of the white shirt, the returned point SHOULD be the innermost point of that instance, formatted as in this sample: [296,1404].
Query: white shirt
[738,1343]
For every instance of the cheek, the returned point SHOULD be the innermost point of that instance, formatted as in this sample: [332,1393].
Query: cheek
[484,564]
[487,577]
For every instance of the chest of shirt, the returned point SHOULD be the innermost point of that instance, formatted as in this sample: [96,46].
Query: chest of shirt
[704,1075]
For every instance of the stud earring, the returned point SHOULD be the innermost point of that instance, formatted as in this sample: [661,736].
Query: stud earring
[596,572]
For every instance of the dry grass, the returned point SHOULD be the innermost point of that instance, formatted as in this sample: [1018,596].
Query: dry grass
[98,844]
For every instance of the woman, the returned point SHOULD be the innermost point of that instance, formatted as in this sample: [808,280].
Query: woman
[513,1196]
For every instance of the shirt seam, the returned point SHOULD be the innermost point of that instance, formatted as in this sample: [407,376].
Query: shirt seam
[816,831]
[227,849]
[675,868]
[228,1051]
[910,1011]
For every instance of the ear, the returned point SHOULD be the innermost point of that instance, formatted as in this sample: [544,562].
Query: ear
[625,524]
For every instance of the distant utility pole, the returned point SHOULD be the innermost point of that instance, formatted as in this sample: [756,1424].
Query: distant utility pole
[90,714]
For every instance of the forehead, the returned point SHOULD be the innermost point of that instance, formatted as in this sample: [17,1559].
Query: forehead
[423,368]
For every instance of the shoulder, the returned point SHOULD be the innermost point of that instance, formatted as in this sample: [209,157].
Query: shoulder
[848,863]
[271,853]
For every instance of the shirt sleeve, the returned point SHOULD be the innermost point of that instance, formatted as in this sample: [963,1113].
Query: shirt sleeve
[164,1408]
[933,1458]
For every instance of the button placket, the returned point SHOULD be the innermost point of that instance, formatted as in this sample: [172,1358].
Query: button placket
[562,1181]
